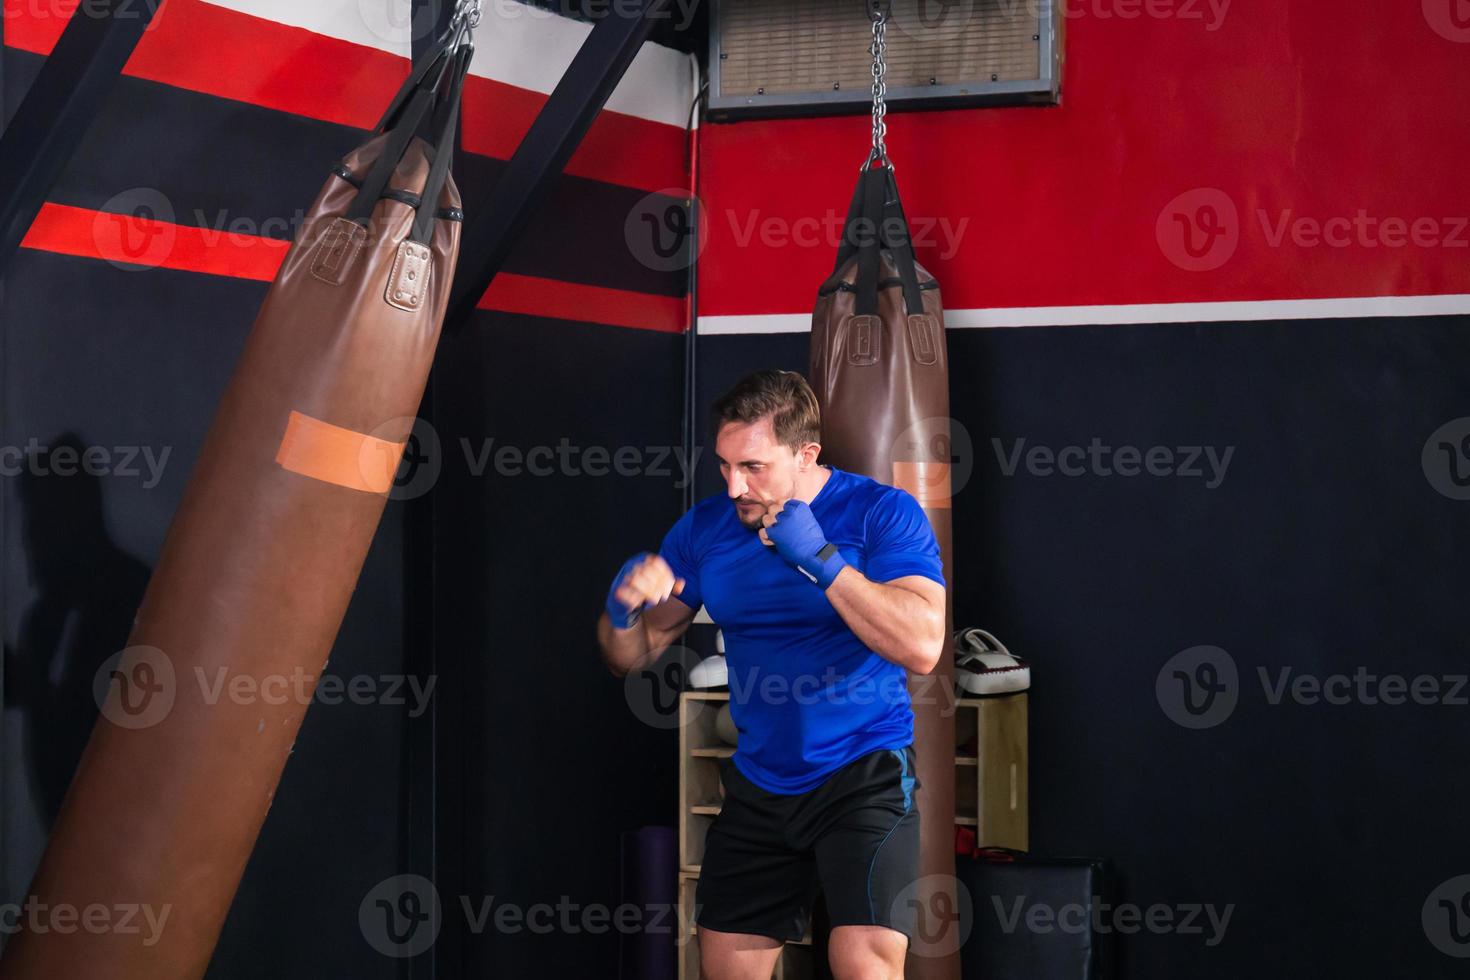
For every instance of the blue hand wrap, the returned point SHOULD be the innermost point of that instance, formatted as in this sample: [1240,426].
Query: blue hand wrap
[799,539]
[620,615]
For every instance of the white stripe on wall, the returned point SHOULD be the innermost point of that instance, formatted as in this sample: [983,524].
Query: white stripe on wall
[1069,316]
[516,44]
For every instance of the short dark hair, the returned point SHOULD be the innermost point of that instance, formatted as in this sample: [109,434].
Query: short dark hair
[782,396]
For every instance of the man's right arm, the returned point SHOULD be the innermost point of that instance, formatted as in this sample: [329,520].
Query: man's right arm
[648,617]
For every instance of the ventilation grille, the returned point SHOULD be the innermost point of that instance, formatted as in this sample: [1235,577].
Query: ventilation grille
[782,57]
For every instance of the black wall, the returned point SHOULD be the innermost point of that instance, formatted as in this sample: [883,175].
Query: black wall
[553,763]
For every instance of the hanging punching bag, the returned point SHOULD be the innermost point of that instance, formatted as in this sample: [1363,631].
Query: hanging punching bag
[260,561]
[880,372]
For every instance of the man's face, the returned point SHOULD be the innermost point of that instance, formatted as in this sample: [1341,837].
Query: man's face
[759,472]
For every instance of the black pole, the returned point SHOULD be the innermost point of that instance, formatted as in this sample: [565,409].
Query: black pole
[57,112]
[546,148]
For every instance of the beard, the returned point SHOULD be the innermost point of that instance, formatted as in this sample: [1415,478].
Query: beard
[750,513]
[752,510]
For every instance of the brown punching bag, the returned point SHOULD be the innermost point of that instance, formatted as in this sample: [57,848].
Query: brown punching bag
[880,372]
[261,559]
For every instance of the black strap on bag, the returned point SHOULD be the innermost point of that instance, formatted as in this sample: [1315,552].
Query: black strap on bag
[423,223]
[433,89]
[876,221]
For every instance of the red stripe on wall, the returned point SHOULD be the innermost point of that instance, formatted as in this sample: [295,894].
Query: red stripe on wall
[511,293]
[133,242]
[1259,131]
[217,51]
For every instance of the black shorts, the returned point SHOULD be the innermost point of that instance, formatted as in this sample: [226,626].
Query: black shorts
[855,837]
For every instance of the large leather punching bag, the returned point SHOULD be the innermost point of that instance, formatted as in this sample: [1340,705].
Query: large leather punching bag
[259,563]
[881,375]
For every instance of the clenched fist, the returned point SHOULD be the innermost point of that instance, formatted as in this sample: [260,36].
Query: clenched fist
[792,529]
[644,580]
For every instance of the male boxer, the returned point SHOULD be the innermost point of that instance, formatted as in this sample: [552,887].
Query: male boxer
[828,587]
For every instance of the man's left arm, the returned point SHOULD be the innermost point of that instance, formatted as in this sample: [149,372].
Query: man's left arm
[901,621]
[898,612]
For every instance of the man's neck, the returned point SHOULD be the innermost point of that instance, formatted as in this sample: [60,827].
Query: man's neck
[811,483]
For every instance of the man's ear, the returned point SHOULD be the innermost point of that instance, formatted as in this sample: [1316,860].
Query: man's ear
[809,453]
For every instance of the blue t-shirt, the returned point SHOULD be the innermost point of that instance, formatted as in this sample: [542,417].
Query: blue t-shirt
[805,693]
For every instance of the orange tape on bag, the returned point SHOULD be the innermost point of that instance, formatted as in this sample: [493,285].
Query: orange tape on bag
[332,454]
[928,482]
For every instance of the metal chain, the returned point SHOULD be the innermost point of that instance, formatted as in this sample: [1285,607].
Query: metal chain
[879,50]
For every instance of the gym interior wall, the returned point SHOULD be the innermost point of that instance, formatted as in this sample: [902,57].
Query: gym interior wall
[1173,260]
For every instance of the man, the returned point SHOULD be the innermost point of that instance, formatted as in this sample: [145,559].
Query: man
[828,587]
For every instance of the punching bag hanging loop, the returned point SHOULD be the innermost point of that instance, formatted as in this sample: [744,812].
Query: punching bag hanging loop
[879,11]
